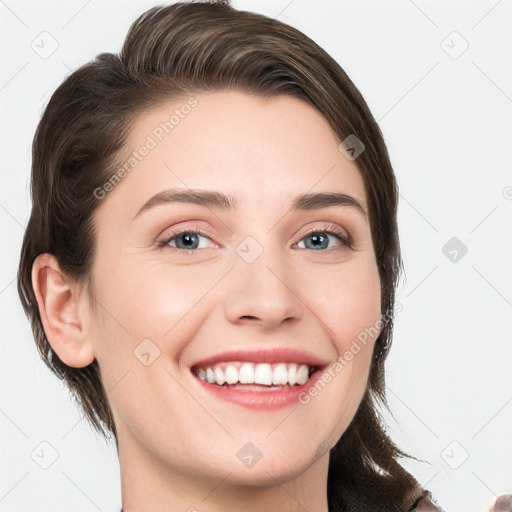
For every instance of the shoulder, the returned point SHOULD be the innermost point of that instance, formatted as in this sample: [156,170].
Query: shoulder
[426,504]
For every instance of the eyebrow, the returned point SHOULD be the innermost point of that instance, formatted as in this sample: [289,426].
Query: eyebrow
[226,202]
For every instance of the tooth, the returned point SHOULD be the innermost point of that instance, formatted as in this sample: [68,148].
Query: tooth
[231,375]
[249,373]
[219,376]
[302,374]
[246,374]
[280,375]
[263,374]
[292,374]
[210,377]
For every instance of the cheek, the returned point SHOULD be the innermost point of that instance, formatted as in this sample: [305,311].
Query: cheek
[349,304]
[149,301]
[347,299]
[360,310]
[146,310]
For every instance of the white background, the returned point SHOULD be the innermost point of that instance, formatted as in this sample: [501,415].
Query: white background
[447,123]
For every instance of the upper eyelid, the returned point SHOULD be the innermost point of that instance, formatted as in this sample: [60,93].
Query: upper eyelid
[188,229]
[171,236]
[195,229]
[330,229]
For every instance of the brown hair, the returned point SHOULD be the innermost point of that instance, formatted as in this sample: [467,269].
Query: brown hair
[188,48]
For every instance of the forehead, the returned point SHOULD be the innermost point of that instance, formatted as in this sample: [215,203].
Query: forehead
[256,149]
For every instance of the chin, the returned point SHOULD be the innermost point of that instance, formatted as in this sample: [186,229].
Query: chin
[282,465]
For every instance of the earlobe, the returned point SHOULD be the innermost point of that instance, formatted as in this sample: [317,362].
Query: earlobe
[59,301]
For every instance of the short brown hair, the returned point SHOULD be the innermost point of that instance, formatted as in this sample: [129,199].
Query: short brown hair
[188,48]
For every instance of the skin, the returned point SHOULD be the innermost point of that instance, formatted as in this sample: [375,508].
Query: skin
[177,444]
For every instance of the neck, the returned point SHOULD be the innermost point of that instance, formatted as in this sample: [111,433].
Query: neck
[150,484]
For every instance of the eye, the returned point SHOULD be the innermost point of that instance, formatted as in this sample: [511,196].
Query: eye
[185,240]
[191,239]
[319,238]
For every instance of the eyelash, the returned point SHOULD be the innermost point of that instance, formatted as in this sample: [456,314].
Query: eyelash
[328,229]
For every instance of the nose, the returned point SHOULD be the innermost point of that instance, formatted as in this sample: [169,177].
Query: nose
[261,293]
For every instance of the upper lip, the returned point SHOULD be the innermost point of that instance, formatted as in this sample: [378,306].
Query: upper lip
[274,355]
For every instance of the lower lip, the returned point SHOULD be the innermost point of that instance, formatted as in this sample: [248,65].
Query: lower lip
[271,399]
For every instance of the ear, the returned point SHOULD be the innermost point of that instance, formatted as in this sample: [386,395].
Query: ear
[62,313]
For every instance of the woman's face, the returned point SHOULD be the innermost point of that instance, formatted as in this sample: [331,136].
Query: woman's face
[247,283]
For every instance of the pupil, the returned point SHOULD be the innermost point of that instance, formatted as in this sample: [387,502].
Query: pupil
[191,239]
[322,238]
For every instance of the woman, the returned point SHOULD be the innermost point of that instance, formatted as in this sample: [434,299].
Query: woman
[210,265]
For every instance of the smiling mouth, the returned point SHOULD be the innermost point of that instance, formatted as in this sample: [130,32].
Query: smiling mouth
[255,376]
